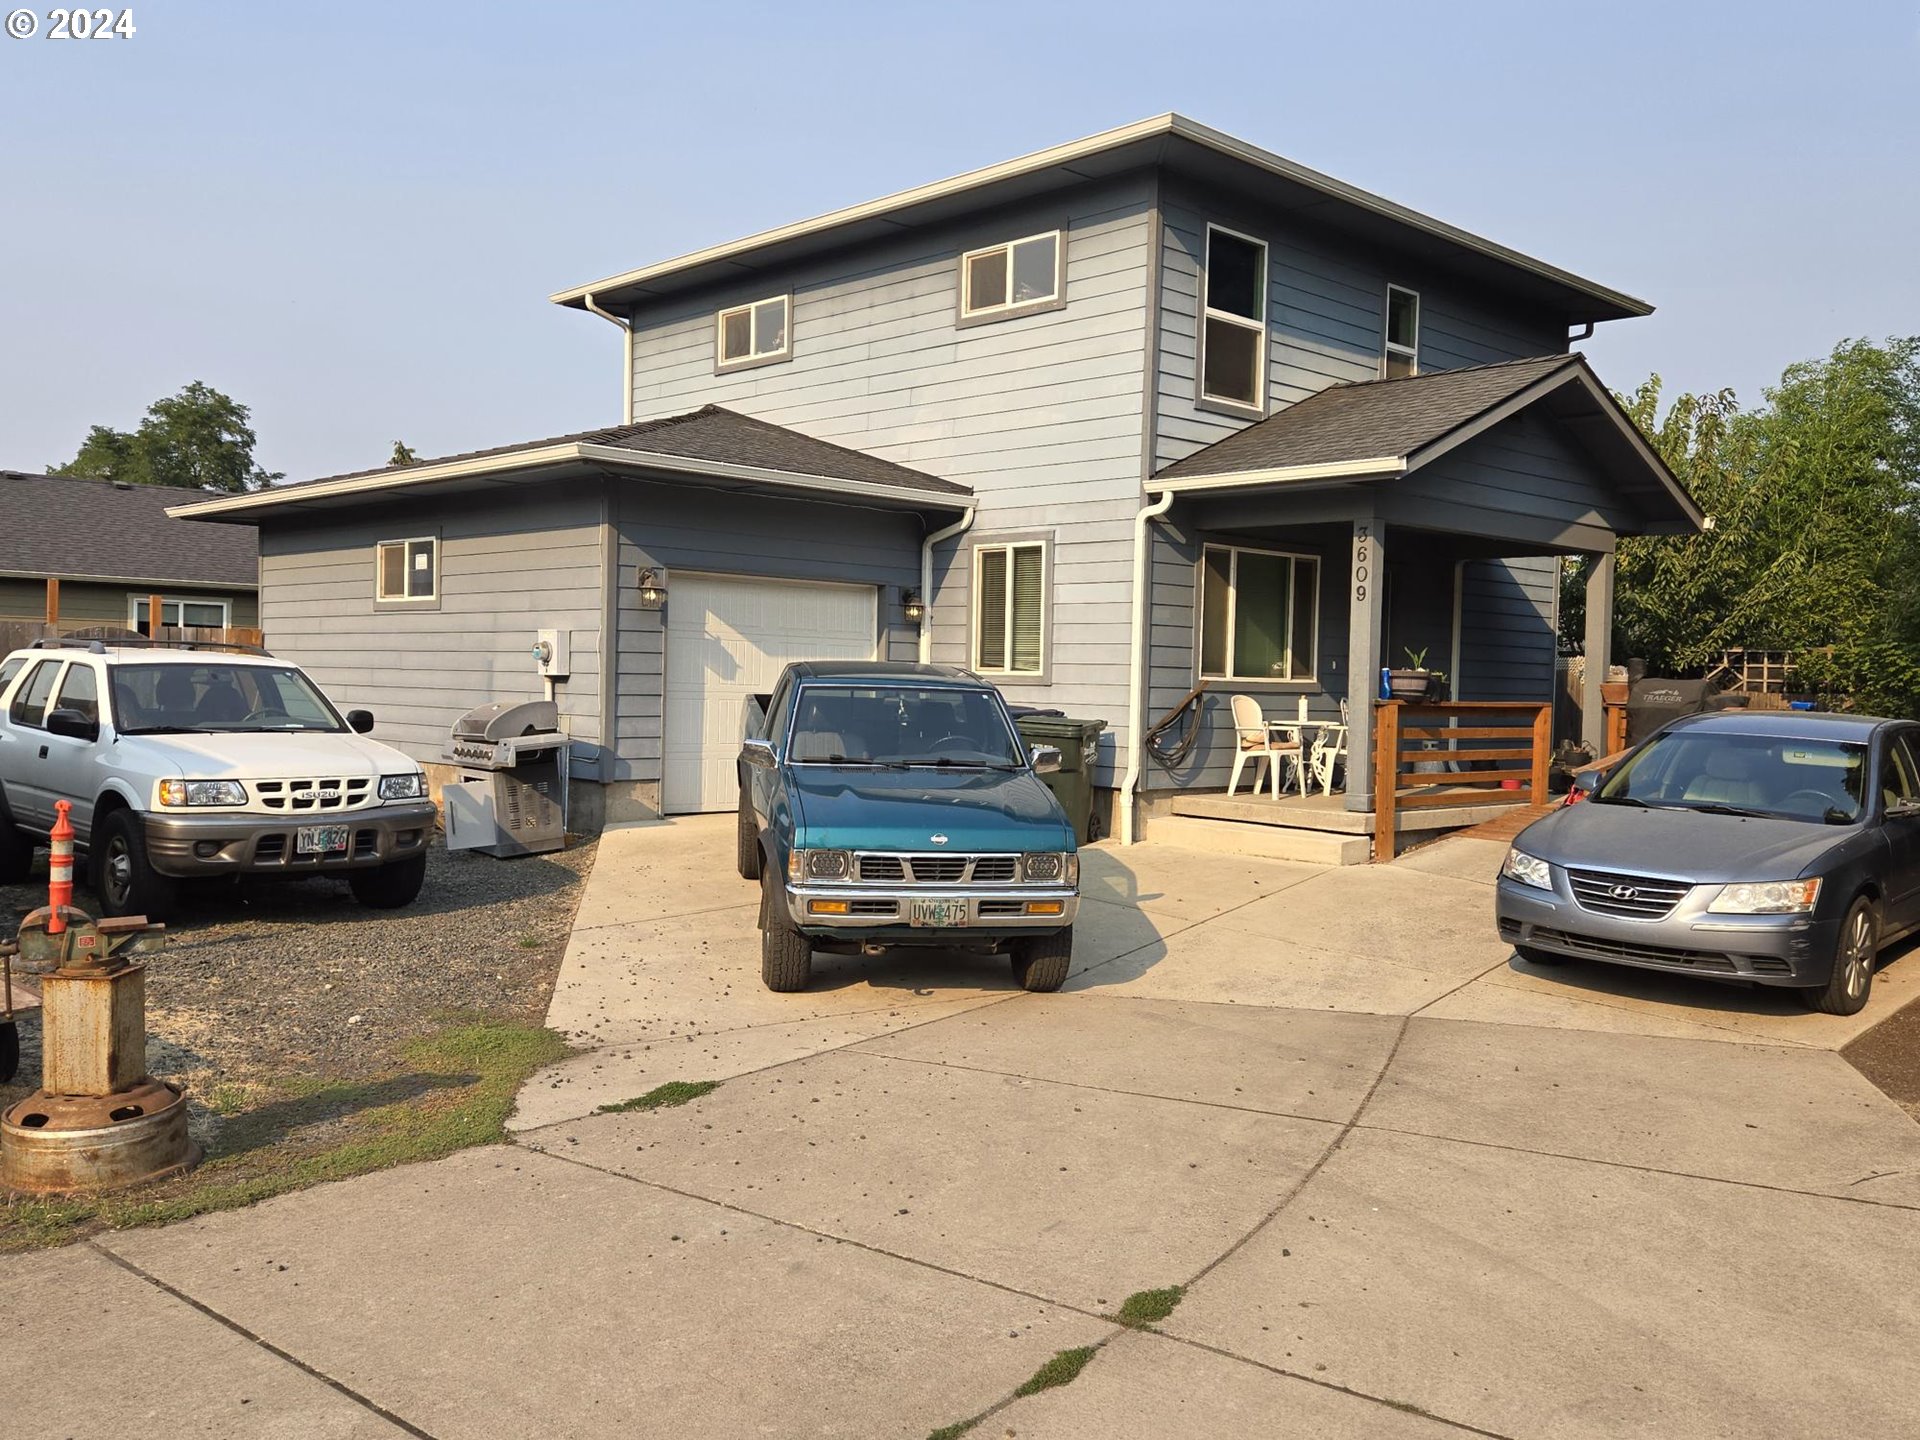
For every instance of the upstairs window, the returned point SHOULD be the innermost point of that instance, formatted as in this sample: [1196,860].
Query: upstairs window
[1018,275]
[408,570]
[1233,327]
[1009,608]
[753,334]
[1259,614]
[1402,351]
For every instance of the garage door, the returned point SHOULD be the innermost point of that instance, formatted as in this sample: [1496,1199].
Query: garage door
[728,638]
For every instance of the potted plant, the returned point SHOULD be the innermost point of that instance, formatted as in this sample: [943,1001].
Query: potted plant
[1413,682]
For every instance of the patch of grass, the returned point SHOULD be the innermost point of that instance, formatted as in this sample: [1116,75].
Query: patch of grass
[955,1430]
[531,942]
[1149,1307]
[663,1097]
[1060,1370]
[458,1092]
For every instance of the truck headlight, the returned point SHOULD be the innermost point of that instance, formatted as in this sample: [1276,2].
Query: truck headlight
[202,792]
[1527,869]
[819,864]
[1048,867]
[1766,897]
[403,787]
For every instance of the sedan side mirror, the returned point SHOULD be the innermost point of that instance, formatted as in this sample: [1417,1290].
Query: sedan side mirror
[360,721]
[73,724]
[1046,759]
[1588,781]
[1898,810]
[757,753]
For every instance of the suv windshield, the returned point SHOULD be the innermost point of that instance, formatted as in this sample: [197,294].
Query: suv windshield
[901,725]
[176,698]
[1815,780]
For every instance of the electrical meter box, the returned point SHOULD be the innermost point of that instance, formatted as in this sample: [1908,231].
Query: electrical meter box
[552,654]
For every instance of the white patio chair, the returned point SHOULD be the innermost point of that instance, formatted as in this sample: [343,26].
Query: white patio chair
[1265,744]
[1329,750]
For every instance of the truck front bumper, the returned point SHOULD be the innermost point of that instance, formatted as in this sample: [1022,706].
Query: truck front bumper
[989,911]
[232,843]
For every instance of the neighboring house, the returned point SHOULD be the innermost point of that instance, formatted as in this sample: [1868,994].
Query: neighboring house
[1195,412]
[79,554]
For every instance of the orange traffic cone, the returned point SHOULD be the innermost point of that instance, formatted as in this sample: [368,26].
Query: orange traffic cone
[60,867]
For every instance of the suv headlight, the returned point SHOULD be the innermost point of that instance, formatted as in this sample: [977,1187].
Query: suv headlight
[1766,897]
[819,864]
[1527,869]
[202,792]
[403,787]
[1051,867]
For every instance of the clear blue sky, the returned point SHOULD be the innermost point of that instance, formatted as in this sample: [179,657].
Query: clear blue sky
[348,216]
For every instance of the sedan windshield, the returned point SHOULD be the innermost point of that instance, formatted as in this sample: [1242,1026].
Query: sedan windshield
[901,725]
[1822,781]
[215,698]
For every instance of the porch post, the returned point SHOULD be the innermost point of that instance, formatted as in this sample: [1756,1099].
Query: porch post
[1365,645]
[1593,711]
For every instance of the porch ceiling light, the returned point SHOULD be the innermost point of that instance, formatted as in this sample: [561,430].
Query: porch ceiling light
[653,589]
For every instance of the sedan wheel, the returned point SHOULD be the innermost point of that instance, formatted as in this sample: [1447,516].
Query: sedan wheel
[1854,953]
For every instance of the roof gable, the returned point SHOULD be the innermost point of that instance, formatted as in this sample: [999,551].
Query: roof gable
[73,528]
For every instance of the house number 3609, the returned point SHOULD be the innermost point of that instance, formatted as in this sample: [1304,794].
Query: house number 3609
[1362,560]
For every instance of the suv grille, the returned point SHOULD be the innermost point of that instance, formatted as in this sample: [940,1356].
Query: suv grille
[939,869]
[1631,897]
[313,795]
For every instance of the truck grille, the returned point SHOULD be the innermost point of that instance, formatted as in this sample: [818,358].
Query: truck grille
[313,795]
[939,869]
[1630,897]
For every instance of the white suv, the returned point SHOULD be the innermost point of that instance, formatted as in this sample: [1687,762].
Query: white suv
[199,761]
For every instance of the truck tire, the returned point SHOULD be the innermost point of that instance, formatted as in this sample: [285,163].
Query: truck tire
[786,956]
[747,841]
[16,851]
[122,877]
[389,886]
[1041,965]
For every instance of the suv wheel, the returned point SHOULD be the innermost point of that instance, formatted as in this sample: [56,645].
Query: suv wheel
[122,877]
[388,887]
[1041,964]
[786,956]
[1854,953]
[747,841]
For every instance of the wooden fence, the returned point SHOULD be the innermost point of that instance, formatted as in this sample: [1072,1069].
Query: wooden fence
[16,634]
[1480,748]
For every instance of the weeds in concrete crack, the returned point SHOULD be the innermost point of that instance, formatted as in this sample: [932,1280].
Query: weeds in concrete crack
[663,1097]
[955,1430]
[1148,1307]
[1060,1370]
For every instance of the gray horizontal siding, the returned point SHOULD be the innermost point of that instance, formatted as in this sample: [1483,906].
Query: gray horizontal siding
[84,603]
[1507,614]
[1524,467]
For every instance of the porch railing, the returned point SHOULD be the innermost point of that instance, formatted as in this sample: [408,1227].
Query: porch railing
[1482,752]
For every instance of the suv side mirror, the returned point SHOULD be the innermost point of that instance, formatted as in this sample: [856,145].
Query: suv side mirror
[73,724]
[757,753]
[360,721]
[1046,759]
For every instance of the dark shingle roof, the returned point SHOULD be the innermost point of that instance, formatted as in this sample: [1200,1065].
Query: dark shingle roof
[73,528]
[1370,419]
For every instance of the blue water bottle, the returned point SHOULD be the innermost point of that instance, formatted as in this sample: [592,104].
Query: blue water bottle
[1386,683]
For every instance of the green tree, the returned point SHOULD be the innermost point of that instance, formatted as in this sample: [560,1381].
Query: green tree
[199,439]
[403,456]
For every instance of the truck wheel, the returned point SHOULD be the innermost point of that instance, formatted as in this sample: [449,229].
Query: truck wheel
[747,843]
[1041,965]
[1854,952]
[786,956]
[125,882]
[16,851]
[388,887]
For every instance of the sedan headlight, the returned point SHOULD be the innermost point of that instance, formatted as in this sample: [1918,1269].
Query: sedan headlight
[1766,897]
[403,787]
[1527,869]
[819,864]
[202,792]
[1051,867]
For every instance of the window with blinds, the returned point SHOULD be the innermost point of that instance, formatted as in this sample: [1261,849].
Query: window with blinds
[1009,608]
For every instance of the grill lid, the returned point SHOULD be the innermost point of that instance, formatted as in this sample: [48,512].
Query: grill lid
[507,720]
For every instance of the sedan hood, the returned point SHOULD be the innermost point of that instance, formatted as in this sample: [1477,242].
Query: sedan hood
[279,755]
[1684,844]
[856,808]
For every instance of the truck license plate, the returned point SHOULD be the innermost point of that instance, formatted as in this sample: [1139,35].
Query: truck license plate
[938,912]
[319,839]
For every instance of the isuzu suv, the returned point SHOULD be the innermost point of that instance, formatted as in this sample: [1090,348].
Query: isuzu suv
[894,804]
[200,761]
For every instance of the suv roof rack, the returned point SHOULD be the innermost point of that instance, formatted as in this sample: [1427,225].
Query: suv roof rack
[95,645]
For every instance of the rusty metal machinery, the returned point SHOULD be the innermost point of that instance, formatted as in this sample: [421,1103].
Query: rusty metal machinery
[98,1121]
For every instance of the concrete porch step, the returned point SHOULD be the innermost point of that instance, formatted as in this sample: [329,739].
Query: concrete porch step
[1269,842]
[1329,813]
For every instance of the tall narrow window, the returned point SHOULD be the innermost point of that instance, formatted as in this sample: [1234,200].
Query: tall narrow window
[407,570]
[752,334]
[1018,275]
[1259,614]
[1233,328]
[1009,609]
[1402,352]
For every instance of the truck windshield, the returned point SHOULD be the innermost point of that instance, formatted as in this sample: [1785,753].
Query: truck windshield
[1822,781]
[901,725]
[183,699]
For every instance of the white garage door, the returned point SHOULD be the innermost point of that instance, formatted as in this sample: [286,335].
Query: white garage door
[729,638]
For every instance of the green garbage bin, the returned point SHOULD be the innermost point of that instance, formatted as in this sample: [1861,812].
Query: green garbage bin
[1078,741]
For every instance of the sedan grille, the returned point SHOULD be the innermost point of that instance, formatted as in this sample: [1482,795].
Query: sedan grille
[1630,897]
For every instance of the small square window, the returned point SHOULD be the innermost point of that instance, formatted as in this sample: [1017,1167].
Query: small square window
[408,570]
[753,334]
[1400,355]
[1233,328]
[1018,275]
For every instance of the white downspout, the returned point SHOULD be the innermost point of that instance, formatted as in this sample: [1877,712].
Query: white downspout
[1137,663]
[626,356]
[926,579]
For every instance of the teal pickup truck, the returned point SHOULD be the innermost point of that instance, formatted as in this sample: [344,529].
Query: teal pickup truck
[886,805]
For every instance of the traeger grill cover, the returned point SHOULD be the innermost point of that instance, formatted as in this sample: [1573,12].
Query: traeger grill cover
[1654,700]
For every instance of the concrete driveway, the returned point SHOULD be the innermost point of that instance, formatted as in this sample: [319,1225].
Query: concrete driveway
[1412,1188]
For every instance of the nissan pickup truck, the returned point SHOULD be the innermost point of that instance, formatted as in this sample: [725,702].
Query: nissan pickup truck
[886,805]
[184,762]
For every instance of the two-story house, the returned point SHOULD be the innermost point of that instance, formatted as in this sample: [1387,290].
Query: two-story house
[1147,409]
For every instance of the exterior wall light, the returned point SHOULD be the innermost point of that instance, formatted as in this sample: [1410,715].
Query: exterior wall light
[653,589]
[912,606]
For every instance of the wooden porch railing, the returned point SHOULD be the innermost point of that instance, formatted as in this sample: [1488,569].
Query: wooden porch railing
[1616,736]
[1499,741]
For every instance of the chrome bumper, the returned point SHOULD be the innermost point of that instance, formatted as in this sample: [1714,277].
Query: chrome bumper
[992,910]
[238,843]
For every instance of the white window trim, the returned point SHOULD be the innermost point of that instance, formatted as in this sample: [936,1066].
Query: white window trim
[1259,326]
[134,602]
[1312,674]
[1045,548]
[406,544]
[970,311]
[1410,353]
[753,356]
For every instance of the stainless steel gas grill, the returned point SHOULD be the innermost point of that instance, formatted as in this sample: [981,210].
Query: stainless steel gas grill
[511,797]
